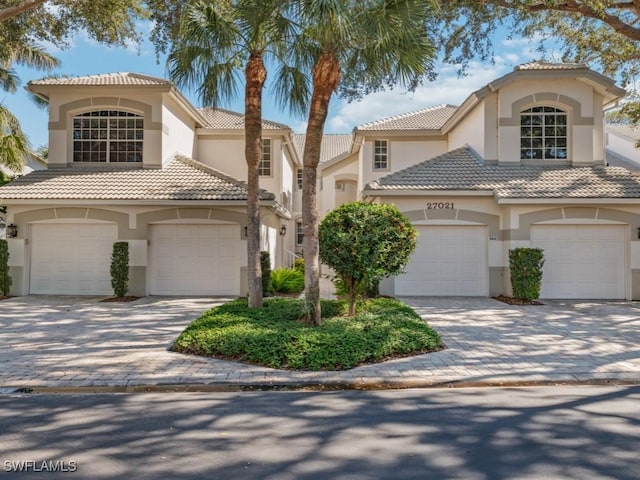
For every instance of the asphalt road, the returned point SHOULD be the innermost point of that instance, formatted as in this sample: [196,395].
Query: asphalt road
[491,433]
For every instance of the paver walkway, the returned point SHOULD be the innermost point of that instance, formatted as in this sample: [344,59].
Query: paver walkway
[50,341]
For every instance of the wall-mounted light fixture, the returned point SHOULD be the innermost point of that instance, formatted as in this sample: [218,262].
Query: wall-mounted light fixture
[12,231]
[638,233]
[283,230]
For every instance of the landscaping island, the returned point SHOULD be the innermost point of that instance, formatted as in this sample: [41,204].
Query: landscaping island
[276,336]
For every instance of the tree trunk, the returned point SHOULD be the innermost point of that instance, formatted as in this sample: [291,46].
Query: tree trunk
[326,77]
[352,287]
[255,76]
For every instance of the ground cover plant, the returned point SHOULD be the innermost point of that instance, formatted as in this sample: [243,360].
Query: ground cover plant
[276,336]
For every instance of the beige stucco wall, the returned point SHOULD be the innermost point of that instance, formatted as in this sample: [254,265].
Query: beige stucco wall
[584,111]
[133,224]
[622,146]
[344,170]
[509,226]
[225,153]
[403,153]
[64,105]
[472,130]
[178,133]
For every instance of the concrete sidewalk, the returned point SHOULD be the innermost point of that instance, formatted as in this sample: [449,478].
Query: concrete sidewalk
[50,341]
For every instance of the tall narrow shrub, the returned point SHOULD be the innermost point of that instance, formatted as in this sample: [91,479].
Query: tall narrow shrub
[526,272]
[265,266]
[120,268]
[5,278]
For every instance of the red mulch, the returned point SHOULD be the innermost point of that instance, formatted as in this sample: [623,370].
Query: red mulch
[516,301]
[120,299]
[4,297]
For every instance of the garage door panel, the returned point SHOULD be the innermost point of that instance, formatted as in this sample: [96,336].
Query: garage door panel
[72,258]
[448,260]
[202,260]
[582,261]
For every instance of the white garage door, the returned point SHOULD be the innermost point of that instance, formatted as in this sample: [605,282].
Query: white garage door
[448,260]
[581,261]
[194,260]
[72,259]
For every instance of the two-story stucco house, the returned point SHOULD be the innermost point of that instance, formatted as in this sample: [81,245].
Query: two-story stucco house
[131,159]
[520,163]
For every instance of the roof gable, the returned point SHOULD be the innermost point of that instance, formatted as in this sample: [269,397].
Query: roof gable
[219,118]
[431,118]
[106,79]
[333,145]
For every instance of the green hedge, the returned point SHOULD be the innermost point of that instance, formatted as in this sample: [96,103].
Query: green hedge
[526,272]
[120,268]
[265,266]
[5,278]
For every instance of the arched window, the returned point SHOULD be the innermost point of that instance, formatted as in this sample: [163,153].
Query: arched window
[108,136]
[543,133]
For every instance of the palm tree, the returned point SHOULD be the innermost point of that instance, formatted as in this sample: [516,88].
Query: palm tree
[13,142]
[29,55]
[14,146]
[378,43]
[217,40]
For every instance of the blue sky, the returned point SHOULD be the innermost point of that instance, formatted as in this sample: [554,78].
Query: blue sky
[86,57]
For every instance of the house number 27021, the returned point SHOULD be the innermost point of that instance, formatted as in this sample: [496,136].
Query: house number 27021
[439,205]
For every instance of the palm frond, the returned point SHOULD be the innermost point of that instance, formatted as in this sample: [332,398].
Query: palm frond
[14,145]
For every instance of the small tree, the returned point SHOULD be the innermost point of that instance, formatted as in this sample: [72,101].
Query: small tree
[5,278]
[365,242]
[526,272]
[120,268]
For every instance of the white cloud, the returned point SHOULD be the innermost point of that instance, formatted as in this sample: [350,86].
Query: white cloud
[448,88]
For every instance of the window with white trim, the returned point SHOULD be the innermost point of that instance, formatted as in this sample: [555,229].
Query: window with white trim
[543,133]
[299,176]
[108,136]
[380,154]
[299,233]
[264,169]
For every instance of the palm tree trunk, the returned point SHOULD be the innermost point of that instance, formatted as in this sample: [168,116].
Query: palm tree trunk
[255,75]
[326,77]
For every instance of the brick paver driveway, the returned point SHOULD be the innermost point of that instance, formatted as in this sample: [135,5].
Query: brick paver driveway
[78,341]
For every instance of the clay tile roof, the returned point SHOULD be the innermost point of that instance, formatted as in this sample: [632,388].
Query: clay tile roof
[551,66]
[228,120]
[463,169]
[431,118]
[183,179]
[109,79]
[333,145]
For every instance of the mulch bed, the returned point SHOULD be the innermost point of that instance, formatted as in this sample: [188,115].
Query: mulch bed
[120,299]
[516,301]
[4,297]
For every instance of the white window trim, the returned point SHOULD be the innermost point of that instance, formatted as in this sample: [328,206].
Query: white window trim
[108,141]
[547,161]
[298,233]
[271,160]
[299,178]
[373,156]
